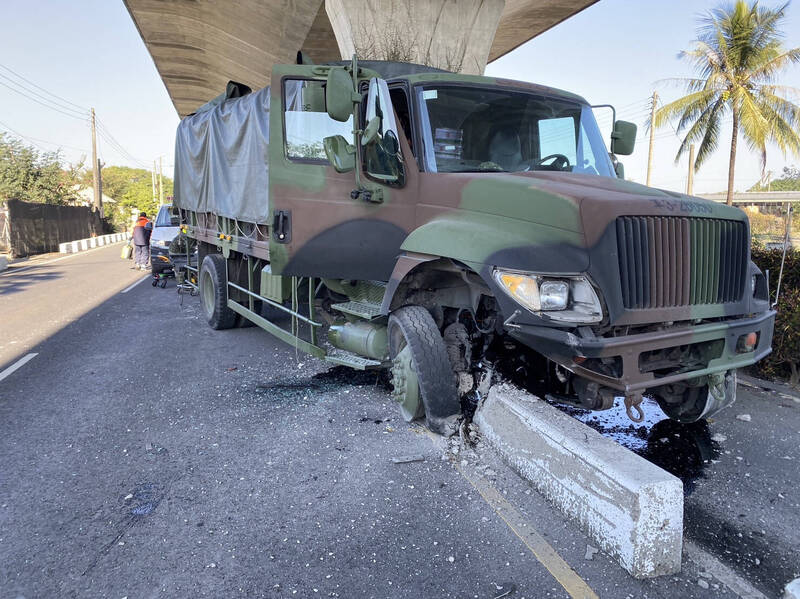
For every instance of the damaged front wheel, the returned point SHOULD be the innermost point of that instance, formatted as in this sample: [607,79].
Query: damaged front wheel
[422,377]
[686,404]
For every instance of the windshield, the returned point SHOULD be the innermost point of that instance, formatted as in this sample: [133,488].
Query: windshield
[476,129]
[166,219]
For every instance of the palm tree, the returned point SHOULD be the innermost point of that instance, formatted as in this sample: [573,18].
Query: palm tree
[738,56]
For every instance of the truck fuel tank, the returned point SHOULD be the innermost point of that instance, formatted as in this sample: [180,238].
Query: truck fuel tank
[366,339]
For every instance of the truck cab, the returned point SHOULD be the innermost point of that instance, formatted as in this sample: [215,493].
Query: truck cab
[445,213]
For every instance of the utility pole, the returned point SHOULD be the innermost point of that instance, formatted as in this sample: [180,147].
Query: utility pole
[690,180]
[100,186]
[153,179]
[98,199]
[160,183]
[652,136]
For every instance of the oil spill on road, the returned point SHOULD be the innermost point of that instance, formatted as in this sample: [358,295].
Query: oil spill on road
[320,384]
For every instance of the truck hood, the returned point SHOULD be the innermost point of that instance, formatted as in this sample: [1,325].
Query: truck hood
[581,203]
[601,199]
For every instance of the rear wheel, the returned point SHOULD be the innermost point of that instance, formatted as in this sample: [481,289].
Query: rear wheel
[213,293]
[422,377]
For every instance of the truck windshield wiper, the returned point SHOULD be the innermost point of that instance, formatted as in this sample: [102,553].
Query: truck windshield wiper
[479,170]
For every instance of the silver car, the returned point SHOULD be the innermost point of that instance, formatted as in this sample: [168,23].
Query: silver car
[165,229]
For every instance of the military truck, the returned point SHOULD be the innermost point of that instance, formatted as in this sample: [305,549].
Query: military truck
[389,215]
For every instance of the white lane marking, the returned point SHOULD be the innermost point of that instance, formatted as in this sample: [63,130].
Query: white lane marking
[12,270]
[129,287]
[17,365]
[738,585]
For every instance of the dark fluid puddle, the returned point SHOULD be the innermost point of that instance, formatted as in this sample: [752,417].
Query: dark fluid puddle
[330,381]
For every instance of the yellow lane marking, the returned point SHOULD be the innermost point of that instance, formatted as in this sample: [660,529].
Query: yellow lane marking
[535,542]
[541,549]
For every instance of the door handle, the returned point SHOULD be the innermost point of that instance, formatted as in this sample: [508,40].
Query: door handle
[282,226]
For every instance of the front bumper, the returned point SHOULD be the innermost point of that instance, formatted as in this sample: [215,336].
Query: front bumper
[571,347]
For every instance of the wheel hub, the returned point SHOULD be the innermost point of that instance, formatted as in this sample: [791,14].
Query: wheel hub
[405,385]
[207,289]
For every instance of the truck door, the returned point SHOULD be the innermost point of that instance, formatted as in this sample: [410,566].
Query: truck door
[321,226]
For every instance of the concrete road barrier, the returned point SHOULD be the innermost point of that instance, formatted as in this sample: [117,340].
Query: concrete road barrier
[80,245]
[631,508]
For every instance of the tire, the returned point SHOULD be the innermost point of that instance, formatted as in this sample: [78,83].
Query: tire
[691,404]
[214,293]
[242,322]
[413,327]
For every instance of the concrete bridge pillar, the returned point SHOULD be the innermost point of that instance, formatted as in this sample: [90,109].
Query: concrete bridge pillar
[449,34]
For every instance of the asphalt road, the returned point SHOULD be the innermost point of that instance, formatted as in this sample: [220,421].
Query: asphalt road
[144,455]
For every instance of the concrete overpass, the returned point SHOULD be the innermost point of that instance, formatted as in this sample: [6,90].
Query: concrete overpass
[199,45]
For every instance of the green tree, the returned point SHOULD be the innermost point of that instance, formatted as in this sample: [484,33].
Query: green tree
[132,188]
[738,56]
[788,181]
[32,176]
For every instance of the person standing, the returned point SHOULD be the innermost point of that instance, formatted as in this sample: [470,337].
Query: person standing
[141,242]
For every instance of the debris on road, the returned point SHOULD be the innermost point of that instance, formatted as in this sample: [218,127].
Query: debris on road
[503,590]
[408,459]
[744,417]
[590,551]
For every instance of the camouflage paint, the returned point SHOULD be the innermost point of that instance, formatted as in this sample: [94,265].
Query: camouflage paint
[543,222]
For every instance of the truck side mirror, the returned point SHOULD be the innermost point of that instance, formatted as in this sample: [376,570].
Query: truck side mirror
[623,138]
[339,94]
[340,154]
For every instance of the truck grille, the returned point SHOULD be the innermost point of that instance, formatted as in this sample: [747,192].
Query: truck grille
[668,261]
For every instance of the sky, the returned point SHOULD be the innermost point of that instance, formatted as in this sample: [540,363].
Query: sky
[84,54]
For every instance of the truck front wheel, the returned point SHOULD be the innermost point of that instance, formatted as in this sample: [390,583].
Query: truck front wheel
[422,377]
[213,293]
[688,404]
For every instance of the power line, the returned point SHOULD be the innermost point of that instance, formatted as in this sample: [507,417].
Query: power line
[78,106]
[81,118]
[118,148]
[34,140]
[32,94]
[67,108]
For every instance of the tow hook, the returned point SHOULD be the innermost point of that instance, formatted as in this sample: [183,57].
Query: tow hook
[633,402]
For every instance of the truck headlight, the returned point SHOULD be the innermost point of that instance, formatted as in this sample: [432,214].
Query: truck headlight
[553,295]
[566,299]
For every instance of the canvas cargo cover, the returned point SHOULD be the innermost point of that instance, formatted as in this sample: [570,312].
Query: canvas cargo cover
[221,159]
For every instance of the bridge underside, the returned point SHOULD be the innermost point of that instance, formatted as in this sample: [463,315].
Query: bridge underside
[199,45]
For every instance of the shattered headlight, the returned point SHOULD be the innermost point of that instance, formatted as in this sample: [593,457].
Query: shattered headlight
[567,299]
